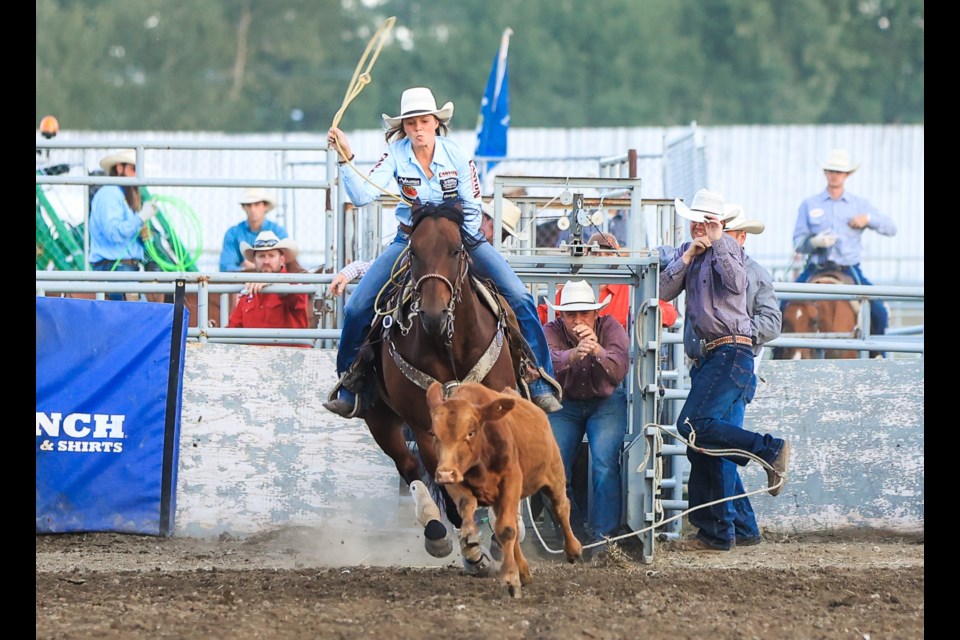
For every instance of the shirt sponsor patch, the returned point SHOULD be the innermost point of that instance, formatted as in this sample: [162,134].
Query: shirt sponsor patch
[474,179]
[379,162]
[449,184]
[408,186]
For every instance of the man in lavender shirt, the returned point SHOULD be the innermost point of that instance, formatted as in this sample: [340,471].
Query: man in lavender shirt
[710,268]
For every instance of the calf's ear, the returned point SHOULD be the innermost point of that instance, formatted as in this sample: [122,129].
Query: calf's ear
[496,409]
[434,395]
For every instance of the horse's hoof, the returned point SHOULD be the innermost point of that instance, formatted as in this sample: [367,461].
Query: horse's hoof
[436,541]
[484,567]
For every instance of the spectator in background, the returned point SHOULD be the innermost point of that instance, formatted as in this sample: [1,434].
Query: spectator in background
[119,220]
[590,355]
[256,203]
[258,309]
[617,225]
[829,231]
[355,269]
[619,307]
[508,225]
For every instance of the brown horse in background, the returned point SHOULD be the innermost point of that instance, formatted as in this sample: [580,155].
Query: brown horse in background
[821,316]
[441,331]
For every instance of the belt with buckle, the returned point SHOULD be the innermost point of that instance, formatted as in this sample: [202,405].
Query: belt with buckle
[719,342]
[405,228]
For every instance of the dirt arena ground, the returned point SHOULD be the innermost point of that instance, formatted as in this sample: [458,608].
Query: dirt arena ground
[862,585]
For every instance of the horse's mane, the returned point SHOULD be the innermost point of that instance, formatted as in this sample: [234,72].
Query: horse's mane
[450,210]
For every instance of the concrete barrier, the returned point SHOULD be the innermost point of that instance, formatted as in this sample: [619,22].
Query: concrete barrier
[857,430]
[258,451]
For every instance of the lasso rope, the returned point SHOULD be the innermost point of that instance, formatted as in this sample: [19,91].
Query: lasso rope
[360,80]
[658,508]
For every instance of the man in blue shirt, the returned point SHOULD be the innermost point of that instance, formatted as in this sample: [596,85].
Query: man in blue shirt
[829,231]
[256,203]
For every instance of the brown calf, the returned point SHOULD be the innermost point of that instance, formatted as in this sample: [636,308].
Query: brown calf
[494,449]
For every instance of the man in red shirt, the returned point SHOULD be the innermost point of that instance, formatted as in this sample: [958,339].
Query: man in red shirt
[256,309]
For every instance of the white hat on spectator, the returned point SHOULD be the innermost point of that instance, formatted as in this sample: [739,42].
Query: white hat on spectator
[257,194]
[267,240]
[578,295]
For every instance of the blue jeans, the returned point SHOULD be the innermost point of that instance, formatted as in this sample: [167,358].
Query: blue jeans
[487,263]
[744,520]
[120,266]
[604,421]
[719,382]
[879,318]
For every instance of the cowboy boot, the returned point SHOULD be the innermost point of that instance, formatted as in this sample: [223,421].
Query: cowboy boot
[345,398]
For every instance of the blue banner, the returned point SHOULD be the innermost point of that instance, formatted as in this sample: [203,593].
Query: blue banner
[105,458]
[494,118]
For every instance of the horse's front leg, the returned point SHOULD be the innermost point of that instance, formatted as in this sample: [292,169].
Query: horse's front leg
[435,539]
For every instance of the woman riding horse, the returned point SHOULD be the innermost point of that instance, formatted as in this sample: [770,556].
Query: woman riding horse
[427,167]
[438,326]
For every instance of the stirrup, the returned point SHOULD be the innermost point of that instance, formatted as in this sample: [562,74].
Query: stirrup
[344,382]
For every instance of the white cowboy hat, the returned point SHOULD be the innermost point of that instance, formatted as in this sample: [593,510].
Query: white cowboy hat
[127,156]
[578,295]
[267,240]
[256,194]
[418,101]
[839,160]
[511,217]
[740,223]
[704,201]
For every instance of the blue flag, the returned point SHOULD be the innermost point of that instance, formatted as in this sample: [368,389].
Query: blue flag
[494,115]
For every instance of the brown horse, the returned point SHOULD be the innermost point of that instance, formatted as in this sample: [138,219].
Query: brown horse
[442,331]
[821,316]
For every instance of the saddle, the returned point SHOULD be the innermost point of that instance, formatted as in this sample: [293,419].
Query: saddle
[831,275]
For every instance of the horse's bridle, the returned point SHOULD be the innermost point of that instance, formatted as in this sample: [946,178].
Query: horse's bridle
[455,295]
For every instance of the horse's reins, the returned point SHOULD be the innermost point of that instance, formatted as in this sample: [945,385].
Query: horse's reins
[456,296]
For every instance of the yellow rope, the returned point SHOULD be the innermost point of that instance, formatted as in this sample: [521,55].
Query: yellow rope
[394,272]
[360,80]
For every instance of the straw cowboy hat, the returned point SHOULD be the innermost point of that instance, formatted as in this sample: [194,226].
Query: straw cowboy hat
[511,217]
[578,295]
[267,240]
[127,156]
[704,202]
[839,160]
[256,194]
[418,101]
[740,223]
